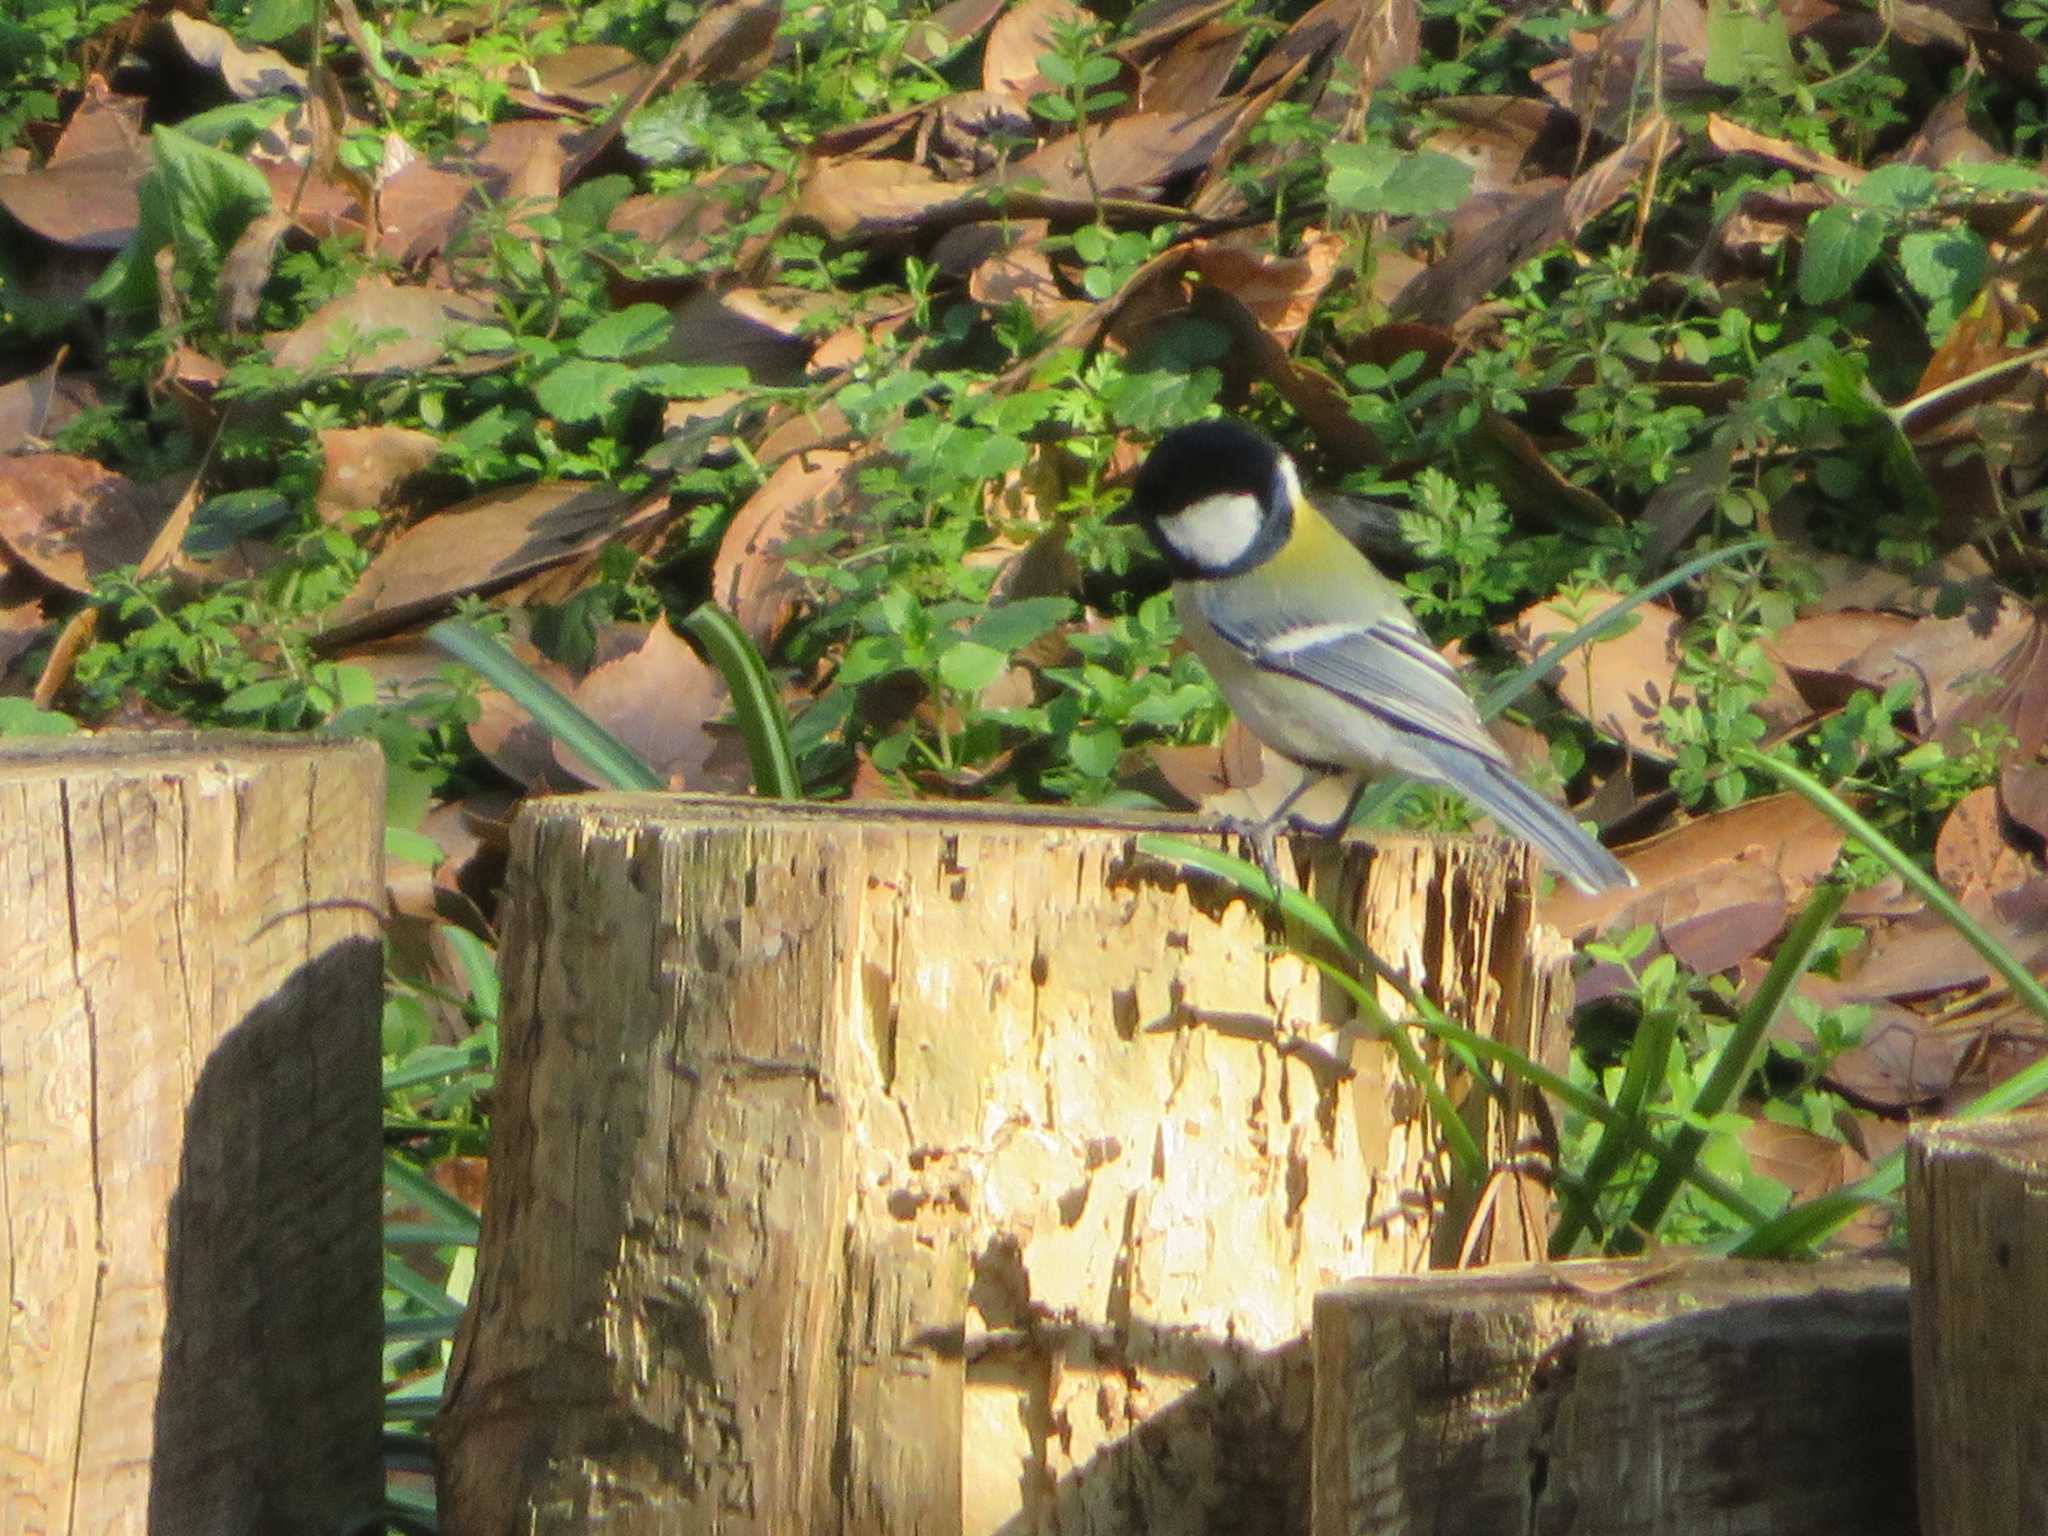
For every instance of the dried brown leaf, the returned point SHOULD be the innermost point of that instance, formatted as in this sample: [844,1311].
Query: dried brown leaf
[860,200]
[1972,855]
[1132,157]
[246,269]
[105,122]
[1504,139]
[2023,791]
[1492,235]
[1732,138]
[1195,71]
[89,203]
[1280,291]
[663,701]
[247,72]
[69,519]
[587,75]
[367,467]
[378,327]
[484,545]
[749,578]
[25,406]
[1781,834]
[1009,63]
[949,26]
[764,330]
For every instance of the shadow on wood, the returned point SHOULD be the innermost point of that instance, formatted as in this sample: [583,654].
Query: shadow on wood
[1652,1398]
[858,1169]
[189,1134]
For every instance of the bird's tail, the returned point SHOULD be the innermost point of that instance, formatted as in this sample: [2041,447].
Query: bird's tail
[1495,789]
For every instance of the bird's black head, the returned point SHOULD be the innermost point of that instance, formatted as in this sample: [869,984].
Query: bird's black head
[1216,498]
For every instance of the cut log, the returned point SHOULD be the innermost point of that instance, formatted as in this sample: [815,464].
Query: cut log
[1977,1203]
[903,1170]
[190,1162]
[1623,1399]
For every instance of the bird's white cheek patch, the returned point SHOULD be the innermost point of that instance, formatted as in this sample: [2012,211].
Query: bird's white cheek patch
[1215,531]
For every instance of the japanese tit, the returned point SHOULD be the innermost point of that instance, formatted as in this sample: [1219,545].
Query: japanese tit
[1314,649]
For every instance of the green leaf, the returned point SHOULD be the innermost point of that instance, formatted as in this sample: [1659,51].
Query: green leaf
[19,717]
[683,381]
[195,199]
[1095,751]
[1841,243]
[1946,267]
[969,667]
[631,332]
[1377,178]
[1011,626]
[1747,44]
[409,847]
[220,522]
[479,964]
[1899,187]
[583,389]
[270,21]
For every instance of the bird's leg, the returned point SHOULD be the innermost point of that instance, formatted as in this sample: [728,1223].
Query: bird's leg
[1262,833]
[1335,830]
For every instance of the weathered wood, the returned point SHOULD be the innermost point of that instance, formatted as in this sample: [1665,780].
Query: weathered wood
[896,1170]
[1737,1399]
[189,1148]
[1977,1198]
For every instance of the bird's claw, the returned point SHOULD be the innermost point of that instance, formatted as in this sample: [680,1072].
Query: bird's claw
[1263,836]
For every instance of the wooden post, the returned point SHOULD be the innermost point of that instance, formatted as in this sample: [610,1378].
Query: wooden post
[189,1134]
[1977,1203]
[914,1171]
[1639,1399]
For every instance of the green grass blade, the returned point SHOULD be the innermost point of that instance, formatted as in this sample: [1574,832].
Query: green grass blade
[616,765]
[1649,1057]
[418,1289]
[2026,987]
[763,720]
[1737,1061]
[1591,1105]
[442,1209]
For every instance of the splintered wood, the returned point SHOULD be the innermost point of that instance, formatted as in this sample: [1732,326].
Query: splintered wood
[1977,1203]
[189,1152]
[1617,1399]
[864,1170]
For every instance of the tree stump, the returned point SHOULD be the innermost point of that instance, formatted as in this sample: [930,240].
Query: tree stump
[190,1165]
[903,1170]
[1636,1399]
[1977,1198]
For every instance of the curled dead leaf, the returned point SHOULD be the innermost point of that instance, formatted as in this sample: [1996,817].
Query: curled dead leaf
[750,579]
[663,700]
[861,199]
[482,546]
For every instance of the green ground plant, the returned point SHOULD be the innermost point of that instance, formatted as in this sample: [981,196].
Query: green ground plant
[1640,403]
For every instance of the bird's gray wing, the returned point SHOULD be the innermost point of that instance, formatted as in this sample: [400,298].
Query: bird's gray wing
[1383,666]
[1388,669]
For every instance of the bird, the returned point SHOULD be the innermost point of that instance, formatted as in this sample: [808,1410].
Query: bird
[1315,651]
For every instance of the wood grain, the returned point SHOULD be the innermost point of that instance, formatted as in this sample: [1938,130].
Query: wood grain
[889,1169]
[189,1134]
